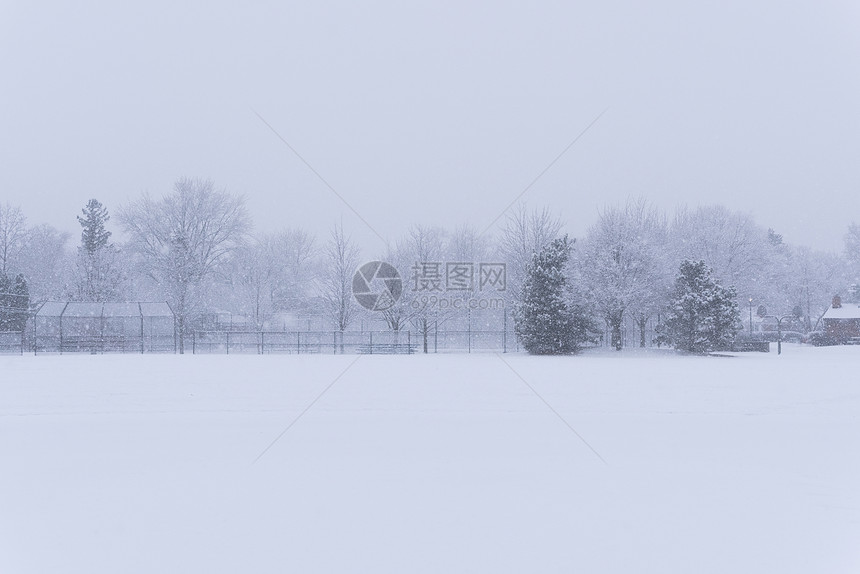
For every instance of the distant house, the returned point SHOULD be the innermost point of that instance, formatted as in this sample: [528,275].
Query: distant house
[842,322]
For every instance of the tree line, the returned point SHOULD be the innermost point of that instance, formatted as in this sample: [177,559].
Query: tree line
[195,248]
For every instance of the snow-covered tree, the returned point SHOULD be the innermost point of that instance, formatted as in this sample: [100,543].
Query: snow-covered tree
[466,244]
[183,238]
[852,244]
[94,236]
[816,276]
[14,303]
[296,264]
[547,321]
[46,263]
[98,269]
[730,242]
[852,251]
[422,245]
[525,233]
[251,280]
[625,266]
[703,315]
[341,261]
[267,274]
[12,233]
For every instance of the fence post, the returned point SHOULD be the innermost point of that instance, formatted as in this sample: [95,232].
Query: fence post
[141,330]
[298,342]
[228,340]
[102,334]
[262,343]
[61,327]
[469,332]
[371,342]
[505,333]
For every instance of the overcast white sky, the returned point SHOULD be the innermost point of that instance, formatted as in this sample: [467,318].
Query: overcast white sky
[436,112]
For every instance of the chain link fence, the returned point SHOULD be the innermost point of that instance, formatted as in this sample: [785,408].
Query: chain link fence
[351,342]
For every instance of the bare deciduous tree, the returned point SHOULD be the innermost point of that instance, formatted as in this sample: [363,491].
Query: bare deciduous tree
[341,261]
[852,245]
[817,276]
[295,253]
[730,243]
[46,263]
[252,278]
[268,273]
[466,244]
[422,246]
[12,232]
[183,237]
[525,234]
[418,257]
[623,264]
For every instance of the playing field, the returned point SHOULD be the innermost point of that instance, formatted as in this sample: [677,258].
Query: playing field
[444,463]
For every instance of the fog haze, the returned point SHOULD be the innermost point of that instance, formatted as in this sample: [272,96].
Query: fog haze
[436,112]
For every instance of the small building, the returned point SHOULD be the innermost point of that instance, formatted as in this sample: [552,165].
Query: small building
[841,322]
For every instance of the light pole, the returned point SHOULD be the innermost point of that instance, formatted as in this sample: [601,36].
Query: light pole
[779,333]
[750,316]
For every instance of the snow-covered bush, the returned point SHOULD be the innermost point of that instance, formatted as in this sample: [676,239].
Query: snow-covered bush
[702,315]
[547,321]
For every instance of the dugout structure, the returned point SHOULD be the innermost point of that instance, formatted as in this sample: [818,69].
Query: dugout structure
[80,327]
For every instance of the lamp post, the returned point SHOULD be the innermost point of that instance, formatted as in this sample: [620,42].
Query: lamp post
[779,333]
[750,316]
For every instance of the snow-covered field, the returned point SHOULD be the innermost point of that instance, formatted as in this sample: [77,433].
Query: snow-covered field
[443,464]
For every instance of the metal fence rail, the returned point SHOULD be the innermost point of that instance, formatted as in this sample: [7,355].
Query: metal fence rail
[350,342]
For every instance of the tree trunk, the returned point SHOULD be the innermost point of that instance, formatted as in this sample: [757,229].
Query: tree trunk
[615,320]
[642,324]
[181,328]
[181,317]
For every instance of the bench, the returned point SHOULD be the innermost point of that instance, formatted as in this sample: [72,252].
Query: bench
[78,344]
[751,346]
[387,349]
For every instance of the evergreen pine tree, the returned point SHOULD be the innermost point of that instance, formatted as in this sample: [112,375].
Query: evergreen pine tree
[20,303]
[98,275]
[547,323]
[94,235]
[14,303]
[703,315]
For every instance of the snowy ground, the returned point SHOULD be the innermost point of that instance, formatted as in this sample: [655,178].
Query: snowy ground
[442,464]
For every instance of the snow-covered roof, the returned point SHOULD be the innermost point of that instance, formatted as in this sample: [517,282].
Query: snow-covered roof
[846,311]
[80,309]
[156,309]
[52,308]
